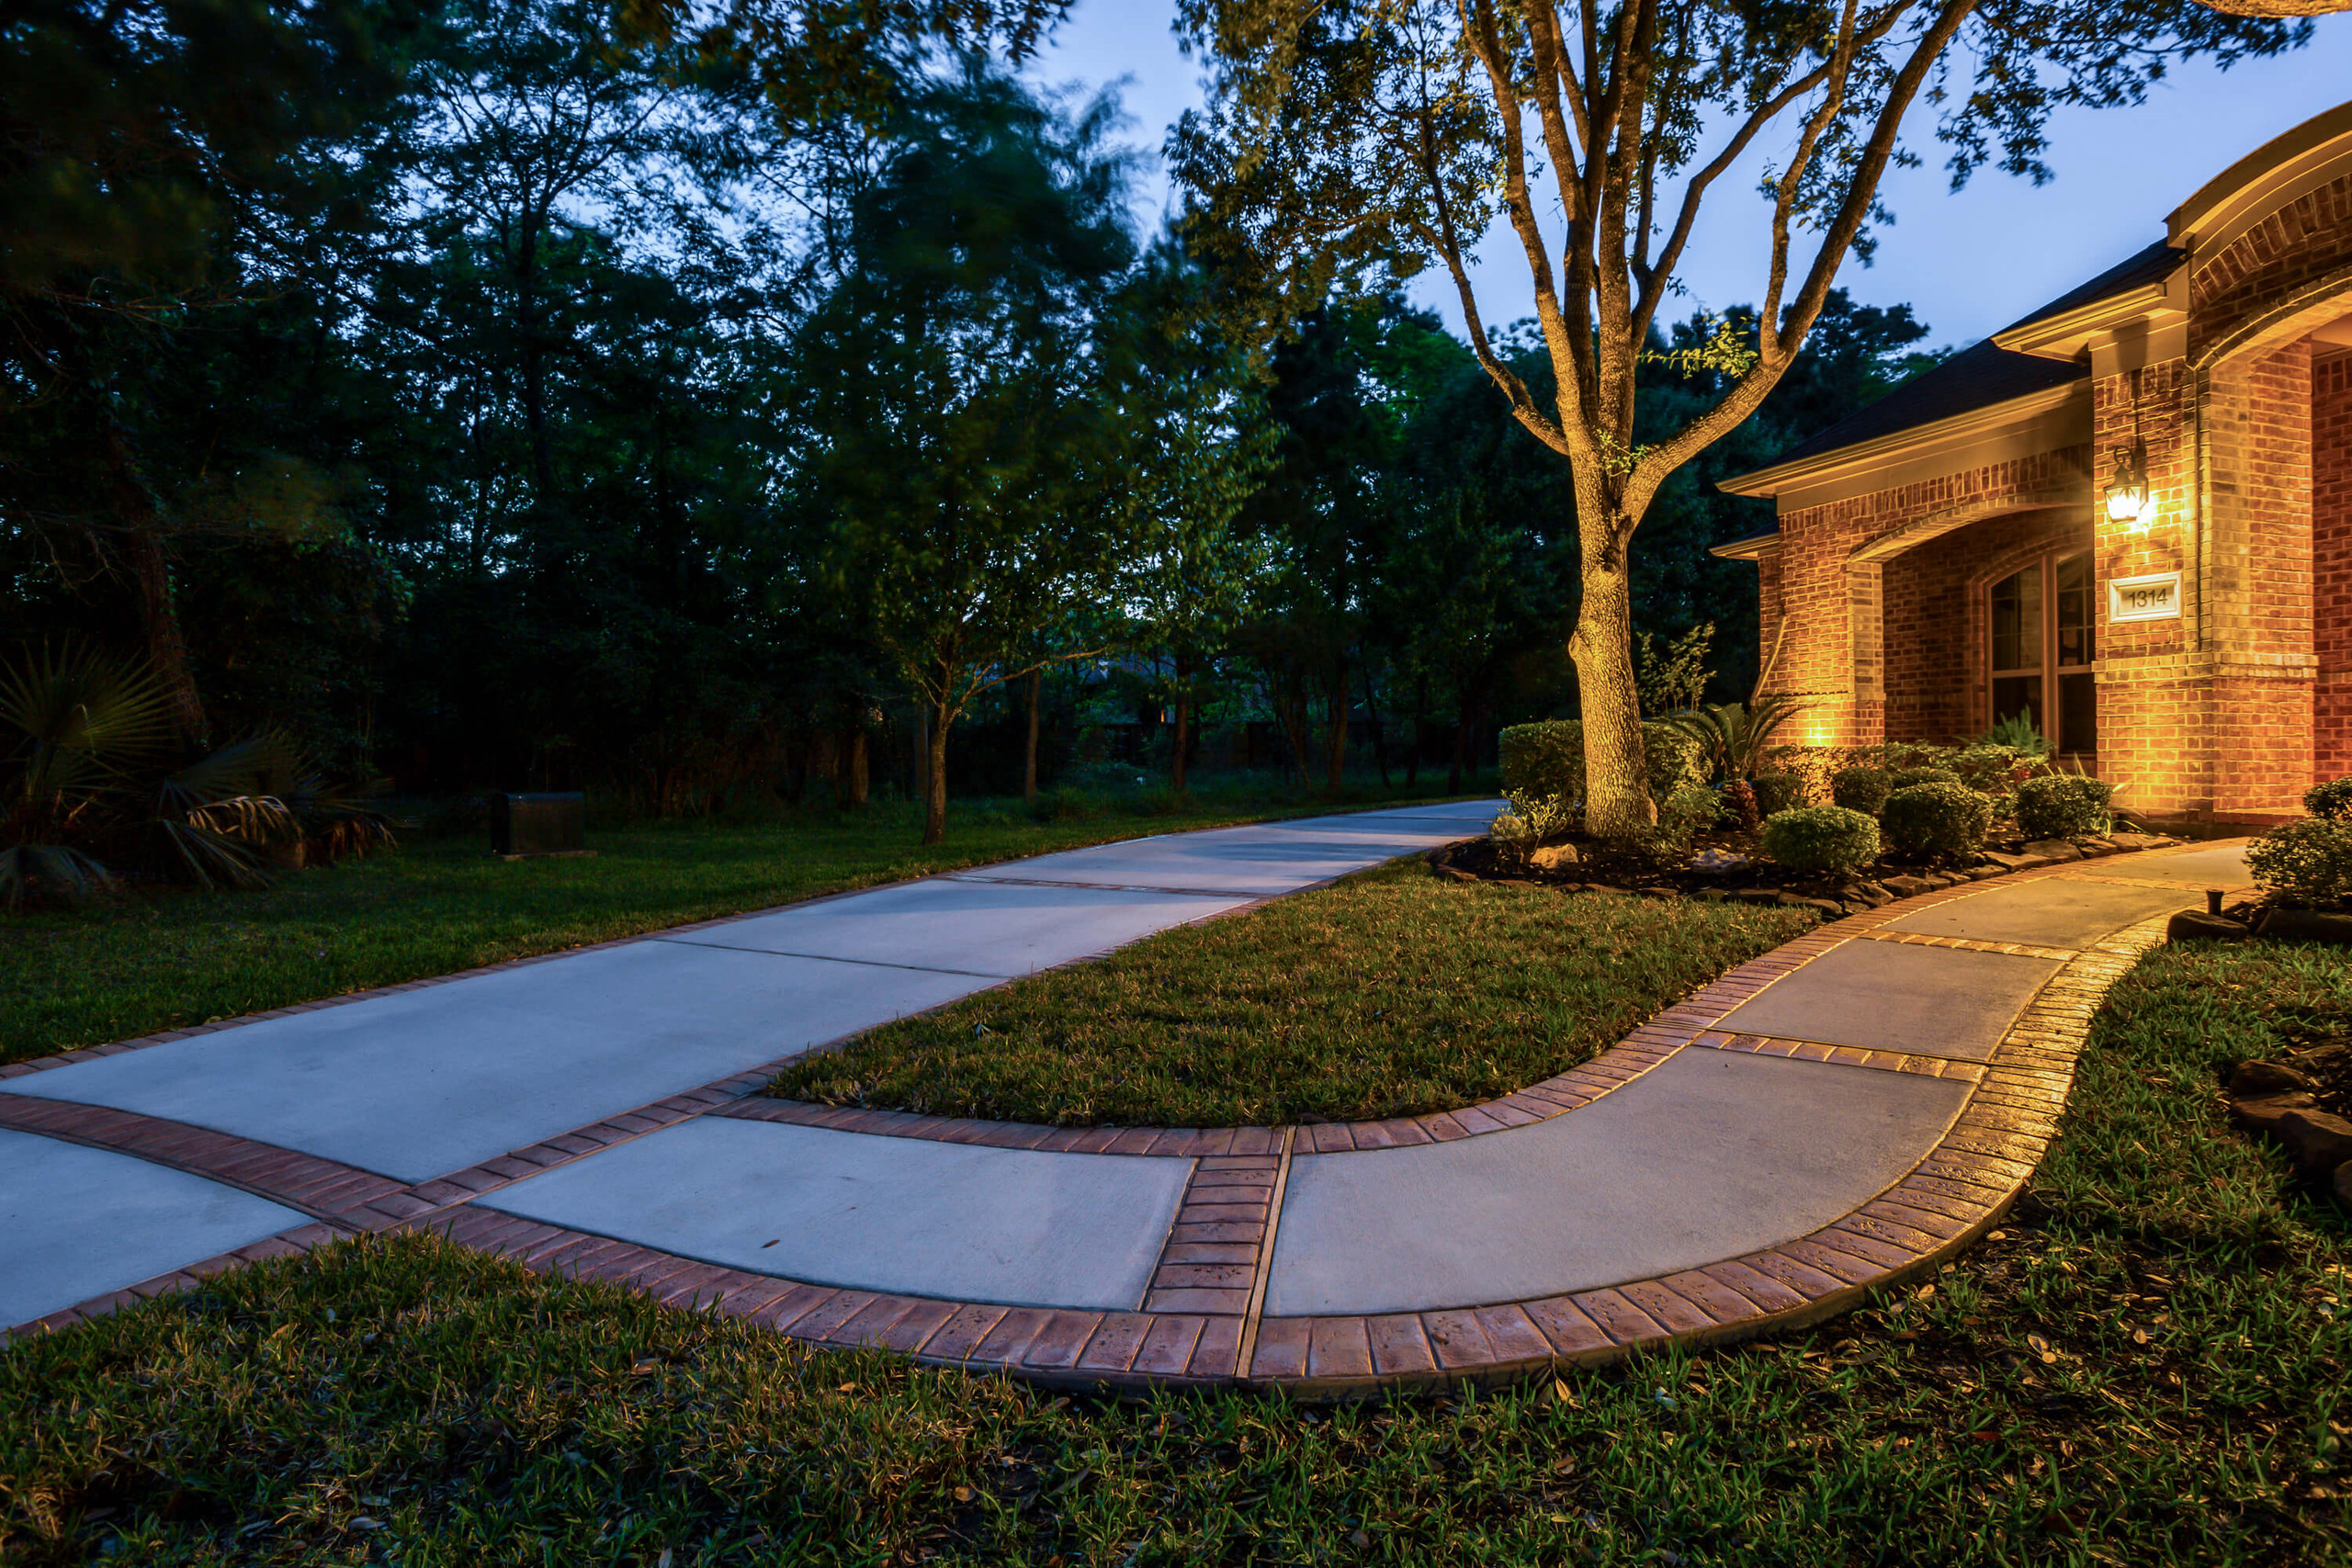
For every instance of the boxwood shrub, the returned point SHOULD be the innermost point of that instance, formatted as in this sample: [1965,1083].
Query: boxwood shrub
[1828,839]
[1778,792]
[2332,800]
[1941,817]
[1545,761]
[2308,861]
[2064,805]
[1861,789]
[1911,778]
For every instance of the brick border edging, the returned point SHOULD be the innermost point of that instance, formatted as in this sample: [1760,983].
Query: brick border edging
[1645,1047]
[2002,1129]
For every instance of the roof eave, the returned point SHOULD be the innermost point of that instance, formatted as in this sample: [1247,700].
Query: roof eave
[2067,335]
[1755,546]
[1768,484]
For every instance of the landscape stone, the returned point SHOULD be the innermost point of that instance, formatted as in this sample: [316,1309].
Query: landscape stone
[2054,849]
[2261,1077]
[1905,887]
[2263,1114]
[2001,862]
[1552,857]
[2306,925]
[2319,1141]
[2191,925]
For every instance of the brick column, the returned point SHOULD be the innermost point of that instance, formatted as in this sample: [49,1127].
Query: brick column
[2332,564]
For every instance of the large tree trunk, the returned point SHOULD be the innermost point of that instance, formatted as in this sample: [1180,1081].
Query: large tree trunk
[1029,749]
[1420,724]
[934,794]
[1379,732]
[1335,752]
[1617,789]
[166,648]
[1183,705]
[855,782]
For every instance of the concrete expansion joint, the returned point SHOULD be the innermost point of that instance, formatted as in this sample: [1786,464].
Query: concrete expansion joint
[1209,1311]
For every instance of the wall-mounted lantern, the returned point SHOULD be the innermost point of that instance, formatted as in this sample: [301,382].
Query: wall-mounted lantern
[2129,500]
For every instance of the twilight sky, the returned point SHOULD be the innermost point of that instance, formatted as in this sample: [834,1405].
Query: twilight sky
[1968,263]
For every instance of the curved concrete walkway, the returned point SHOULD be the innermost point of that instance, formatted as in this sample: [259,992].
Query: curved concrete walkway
[1845,1111]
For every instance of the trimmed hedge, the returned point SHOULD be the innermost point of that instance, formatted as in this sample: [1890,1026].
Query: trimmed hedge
[2332,800]
[2308,861]
[1861,789]
[1912,778]
[2064,805]
[1940,817]
[1822,838]
[1778,792]
[1545,761]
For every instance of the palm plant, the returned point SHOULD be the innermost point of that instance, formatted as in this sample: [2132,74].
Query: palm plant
[1734,738]
[76,722]
[82,727]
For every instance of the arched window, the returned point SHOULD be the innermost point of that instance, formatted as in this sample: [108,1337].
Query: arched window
[2044,641]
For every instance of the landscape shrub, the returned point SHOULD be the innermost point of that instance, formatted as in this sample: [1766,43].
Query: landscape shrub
[2332,800]
[1862,789]
[2308,861]
[1778,792]
[1830,839]
[1690,811]
[2064,805]
[1544,762]
[1943,817]
[1911,778]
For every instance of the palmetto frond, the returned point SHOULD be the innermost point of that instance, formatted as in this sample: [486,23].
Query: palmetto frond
[1736,735]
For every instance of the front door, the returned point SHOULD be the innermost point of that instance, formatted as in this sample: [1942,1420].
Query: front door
[2043,646]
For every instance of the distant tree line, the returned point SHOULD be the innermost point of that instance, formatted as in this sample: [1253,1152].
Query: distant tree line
[487,398]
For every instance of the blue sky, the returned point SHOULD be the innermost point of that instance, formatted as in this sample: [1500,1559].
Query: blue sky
[1968,263]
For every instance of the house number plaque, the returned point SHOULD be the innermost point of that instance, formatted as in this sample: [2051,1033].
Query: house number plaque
[2154,598]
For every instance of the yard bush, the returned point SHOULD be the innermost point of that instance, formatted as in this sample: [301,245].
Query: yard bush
[1911,778]
[1544,762]
[1830,839]
[1861,789]
[1941,817]
[2308,861]
[1777,792]
[2332,800]
[2064,805]
[1690,811]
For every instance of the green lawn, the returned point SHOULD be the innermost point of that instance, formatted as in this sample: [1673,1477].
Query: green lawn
[168,960]
[2149,1366]
[1394,993]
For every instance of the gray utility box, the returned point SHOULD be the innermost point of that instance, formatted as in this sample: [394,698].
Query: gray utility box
[537,824]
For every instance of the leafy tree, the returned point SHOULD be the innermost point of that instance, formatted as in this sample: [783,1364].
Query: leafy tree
[952,388]
[1342,142]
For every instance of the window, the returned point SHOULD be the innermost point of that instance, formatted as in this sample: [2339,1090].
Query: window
[2043,632]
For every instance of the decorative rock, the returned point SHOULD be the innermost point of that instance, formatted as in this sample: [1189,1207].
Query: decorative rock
[1455,874]
[1905,887]
[2255,1078]
[1979,873]
[1830,909]
[1715,862]
[2054,849]
[1869,894]
[1757,895]
[2306,925]
[2318,1140]
[1712,896]
[2196,925]
[1552,857]
[2263,1115]
[2342,1184]
[2000,861]
[2139,840]
[2093,846]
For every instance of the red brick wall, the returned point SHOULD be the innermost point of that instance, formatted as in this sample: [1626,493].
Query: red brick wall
[2306,240]
[2332,562]
[1938,686]
[1816,588]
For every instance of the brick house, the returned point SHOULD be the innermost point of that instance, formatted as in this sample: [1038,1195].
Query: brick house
[2129,514]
